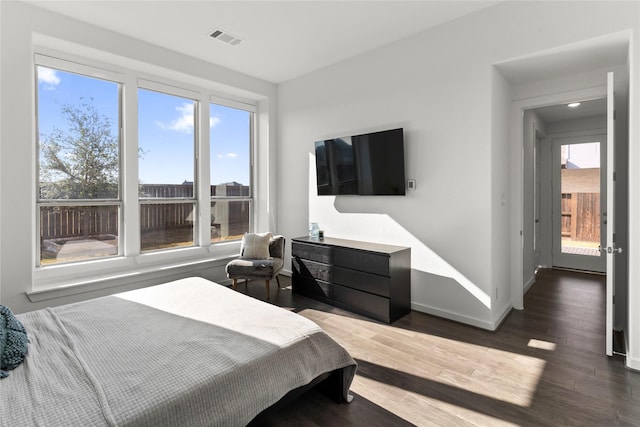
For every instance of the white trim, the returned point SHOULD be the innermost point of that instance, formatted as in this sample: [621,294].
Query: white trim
[234,103]
[517,175]
[169,89]
[110,280]
[462,318]
[529,283]
[632,362]
[75,66]
[497,320]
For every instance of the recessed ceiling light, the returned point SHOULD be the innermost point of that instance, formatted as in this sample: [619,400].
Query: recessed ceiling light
[573,105]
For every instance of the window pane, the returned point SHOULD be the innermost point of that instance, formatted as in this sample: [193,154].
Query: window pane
[230,172]
[77,136]
[229,219]
[580,198]
[166,143]
[166,225]
[230,145]
[74,233]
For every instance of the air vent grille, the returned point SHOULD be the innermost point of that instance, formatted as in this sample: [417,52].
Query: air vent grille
[225,37]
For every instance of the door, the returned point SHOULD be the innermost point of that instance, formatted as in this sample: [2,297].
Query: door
[611,248]
[579,195]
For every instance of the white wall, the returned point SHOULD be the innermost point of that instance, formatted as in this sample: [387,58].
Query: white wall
[439,85]
[21,25]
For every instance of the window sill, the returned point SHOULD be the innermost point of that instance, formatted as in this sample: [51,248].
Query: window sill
[151,273]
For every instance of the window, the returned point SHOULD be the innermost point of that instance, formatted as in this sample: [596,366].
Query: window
[166,142]
[119,170]
[231,136]
[78,179]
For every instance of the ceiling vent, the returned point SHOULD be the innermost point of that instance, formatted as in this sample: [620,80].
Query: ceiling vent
[225,37]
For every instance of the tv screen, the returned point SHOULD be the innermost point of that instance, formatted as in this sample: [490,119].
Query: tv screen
[371,164]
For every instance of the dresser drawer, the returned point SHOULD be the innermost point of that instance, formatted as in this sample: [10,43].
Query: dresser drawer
[316,253]
[374,306]
[362,281]
[361,260]
[316,270]
[312,288]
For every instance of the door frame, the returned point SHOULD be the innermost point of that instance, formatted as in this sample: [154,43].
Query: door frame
[517,156]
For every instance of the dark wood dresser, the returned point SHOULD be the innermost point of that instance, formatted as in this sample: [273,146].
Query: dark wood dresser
[367,278]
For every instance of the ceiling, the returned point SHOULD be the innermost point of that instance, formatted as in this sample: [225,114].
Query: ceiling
[561,112]
[281,40]
[573,59]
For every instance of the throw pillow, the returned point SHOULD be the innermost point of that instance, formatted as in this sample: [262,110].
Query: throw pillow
[13,341]
[255,245]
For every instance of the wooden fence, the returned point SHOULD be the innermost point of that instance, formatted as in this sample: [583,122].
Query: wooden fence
[60,222]
[581,216]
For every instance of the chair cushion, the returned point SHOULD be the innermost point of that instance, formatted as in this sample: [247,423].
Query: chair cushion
[255,246]
[254,268]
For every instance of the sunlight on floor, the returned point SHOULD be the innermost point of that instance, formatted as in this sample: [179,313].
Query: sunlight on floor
[544,345]
[437,381]
[417,408]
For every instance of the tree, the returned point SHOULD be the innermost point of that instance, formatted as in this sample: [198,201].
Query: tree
[83,161]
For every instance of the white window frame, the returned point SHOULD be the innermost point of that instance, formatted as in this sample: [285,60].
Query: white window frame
[70,278]
[253,109]
[91,72]
[196,98]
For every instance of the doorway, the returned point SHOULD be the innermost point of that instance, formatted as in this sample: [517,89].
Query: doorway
[580,164]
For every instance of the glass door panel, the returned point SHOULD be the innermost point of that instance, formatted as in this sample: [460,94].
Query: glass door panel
[580,198]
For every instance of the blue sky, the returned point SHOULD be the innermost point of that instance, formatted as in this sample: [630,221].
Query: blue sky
[165,131]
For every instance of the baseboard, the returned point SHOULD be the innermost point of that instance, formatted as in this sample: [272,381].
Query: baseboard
[633,363]
[503,315]
[529,284]
[457,317]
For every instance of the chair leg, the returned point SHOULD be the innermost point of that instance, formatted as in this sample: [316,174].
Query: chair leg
[267,289]
[235,282]
[278,280]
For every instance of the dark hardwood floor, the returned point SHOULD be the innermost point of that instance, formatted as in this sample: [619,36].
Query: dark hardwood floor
[545,365]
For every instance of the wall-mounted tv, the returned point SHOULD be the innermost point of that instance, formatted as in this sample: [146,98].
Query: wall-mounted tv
[371,164]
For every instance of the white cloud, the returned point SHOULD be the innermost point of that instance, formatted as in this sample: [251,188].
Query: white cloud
[228,156]
[213,121]
[48,76]
[184,123]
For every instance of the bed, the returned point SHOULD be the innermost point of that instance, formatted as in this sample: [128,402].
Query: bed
[189,353]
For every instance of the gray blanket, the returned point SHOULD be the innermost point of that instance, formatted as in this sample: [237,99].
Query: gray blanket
[118,361]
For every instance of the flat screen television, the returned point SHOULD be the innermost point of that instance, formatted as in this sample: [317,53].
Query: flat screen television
[371,164]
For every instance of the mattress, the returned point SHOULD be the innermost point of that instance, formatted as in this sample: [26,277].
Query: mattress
[189,352]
